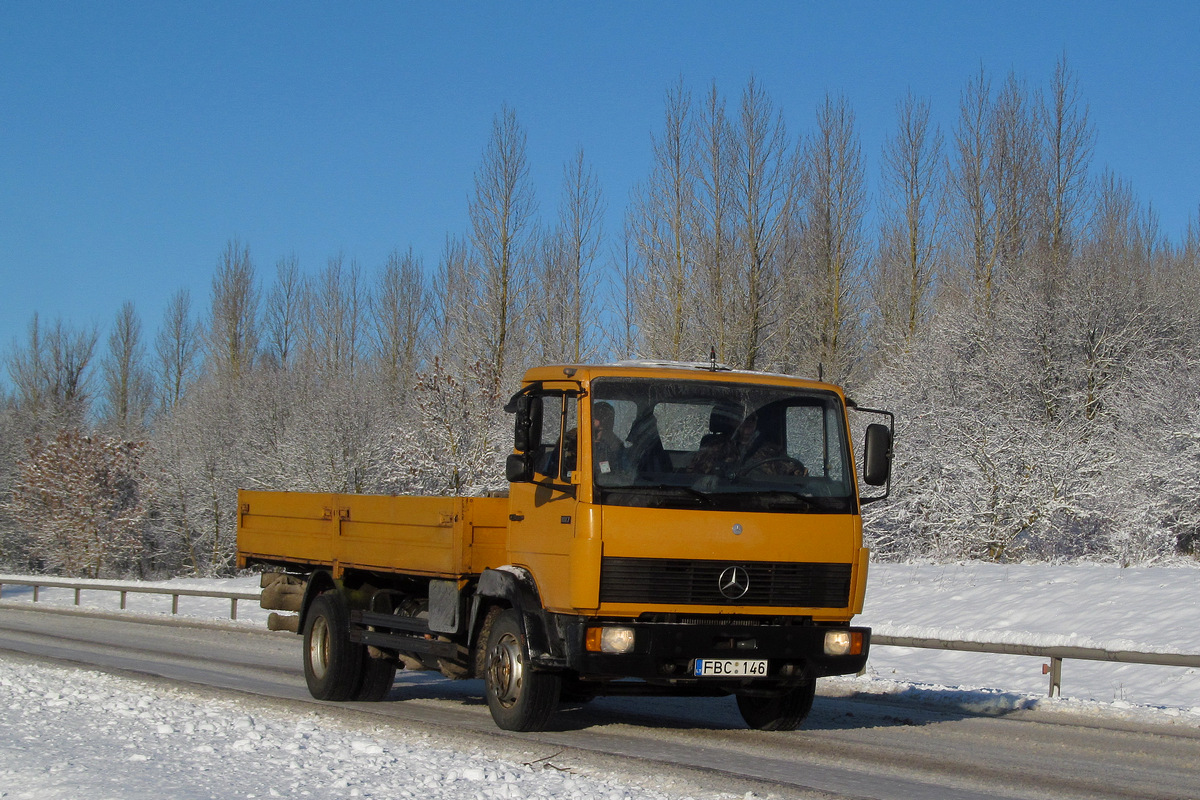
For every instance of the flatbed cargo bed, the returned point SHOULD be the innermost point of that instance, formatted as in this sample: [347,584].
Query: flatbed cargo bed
[441,537]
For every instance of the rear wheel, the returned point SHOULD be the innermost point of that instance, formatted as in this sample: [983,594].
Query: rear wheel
[332,663]
[519,697]
[783,711]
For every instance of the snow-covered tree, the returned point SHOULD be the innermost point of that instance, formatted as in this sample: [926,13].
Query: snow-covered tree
[83,501]
[458,442]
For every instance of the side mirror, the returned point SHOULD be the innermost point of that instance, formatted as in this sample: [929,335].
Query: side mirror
[518,468]
[527,427]
[877,455]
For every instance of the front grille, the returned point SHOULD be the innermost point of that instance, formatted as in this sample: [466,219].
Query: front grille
[683,581]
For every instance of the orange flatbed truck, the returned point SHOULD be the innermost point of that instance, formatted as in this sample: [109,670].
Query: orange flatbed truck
[669,528]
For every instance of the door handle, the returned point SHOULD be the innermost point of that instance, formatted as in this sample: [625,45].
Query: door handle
[516,517]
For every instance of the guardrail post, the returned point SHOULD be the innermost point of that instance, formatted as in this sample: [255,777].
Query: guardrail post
[35,592]
[77,591]
[123,600]
[174,604]
[233,608]
[1054,670]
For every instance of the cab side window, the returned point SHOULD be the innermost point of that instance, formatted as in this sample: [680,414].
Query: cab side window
[558,444]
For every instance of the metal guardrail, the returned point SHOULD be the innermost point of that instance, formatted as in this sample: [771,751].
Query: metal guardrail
[125,589]
[1056,654]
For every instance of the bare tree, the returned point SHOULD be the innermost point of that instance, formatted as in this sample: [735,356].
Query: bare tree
[128,389]
[975,212]
[563,323]
[176,347]
[1069,143]
[51,376]
[232,342]
[662,218]
[551,325]
[502,228]
[621,302]
[29,370]
[400,313]
[715,229]
[834,240]
[1016,170]
[580,212]
[764,191]
[1185,284]
[281,317]
[913,214]
[1050,276]
[456,301]
[334,308]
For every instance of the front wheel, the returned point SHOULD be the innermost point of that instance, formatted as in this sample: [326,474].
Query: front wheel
[783,711]
[332,663]
[378,675]
[519,697]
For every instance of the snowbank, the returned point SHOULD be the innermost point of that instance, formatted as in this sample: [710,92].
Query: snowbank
[1145,609]
[67,733]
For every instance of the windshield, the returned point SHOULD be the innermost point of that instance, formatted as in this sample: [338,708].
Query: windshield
[727,446]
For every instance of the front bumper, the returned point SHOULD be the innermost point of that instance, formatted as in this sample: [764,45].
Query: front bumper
[666,651]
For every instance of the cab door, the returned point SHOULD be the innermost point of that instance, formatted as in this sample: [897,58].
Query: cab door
[542,509]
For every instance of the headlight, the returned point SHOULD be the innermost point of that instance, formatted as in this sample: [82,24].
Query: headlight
[609,640]
[843,643]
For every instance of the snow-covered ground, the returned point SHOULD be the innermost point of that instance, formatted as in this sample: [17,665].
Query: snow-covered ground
[74,733]
[1143,609]
[67,733]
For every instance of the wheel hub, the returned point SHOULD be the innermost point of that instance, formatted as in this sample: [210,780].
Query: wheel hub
[506,670]
[318,648]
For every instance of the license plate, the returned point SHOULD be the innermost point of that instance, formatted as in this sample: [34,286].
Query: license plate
[730,668]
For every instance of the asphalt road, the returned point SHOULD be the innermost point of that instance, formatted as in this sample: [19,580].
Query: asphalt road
[851,746]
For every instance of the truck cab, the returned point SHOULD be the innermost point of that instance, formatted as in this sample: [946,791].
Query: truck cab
[696,528]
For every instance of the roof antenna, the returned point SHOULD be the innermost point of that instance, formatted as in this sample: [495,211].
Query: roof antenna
[820,371]
[712,358]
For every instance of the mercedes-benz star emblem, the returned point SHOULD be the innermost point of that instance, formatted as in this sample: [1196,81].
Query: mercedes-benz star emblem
[734,582]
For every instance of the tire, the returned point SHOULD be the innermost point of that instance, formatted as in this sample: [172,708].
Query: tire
[479,662]
[519,697]
[575,692]
[378,675]
[784,711]
[332,663]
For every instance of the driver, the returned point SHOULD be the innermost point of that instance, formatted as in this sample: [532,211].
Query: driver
[608,451]
[747,447]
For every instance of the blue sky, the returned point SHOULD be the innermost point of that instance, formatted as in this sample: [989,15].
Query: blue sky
[136,139]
